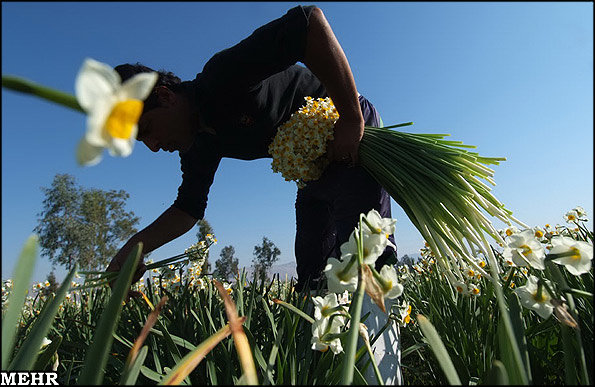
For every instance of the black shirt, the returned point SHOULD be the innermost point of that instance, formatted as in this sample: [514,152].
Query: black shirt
[245,93]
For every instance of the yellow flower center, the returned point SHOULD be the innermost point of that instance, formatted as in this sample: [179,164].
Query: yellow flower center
[576,254]
[475,291]
[538,233]
[123,117]
[541,298]
[388,286]
[482,264]
[526,250]
[460,289]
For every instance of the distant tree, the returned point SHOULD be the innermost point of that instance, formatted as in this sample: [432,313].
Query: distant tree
[204,228]
[81,225]
[407,260]
[53,288]
[227,265]
[264,257]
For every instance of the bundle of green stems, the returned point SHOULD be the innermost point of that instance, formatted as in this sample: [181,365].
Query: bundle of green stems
[436,182]
[99,278]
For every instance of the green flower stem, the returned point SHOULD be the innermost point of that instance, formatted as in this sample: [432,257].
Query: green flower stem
[555,270]
[551,257]
[355,311]
[505,316]
[379,278]
[509,276]
[392,126]
[25,86]
[372,228]
[343,273]
[338,308]
[579,293]
[374,365]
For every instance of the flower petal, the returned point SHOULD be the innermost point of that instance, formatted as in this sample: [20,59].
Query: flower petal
[96,135]
[123,147]
[88,154]
[138,87]
[94,82]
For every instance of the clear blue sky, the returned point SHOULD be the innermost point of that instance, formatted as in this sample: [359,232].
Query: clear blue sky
[515,79]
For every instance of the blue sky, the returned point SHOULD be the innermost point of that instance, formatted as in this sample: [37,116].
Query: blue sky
[515,79]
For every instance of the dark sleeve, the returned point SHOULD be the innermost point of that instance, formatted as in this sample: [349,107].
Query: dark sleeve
[198,167]
[270,49]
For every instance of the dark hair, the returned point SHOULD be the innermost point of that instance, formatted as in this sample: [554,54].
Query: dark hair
[166,78]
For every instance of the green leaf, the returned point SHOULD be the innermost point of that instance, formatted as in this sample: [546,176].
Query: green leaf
[98,352]
[130,375]
[439,349]
[507,356]
[149,373]
[518,326]
[176,340]
[29,351]
[497,374]
[16,300]
[46,354]
[570,356]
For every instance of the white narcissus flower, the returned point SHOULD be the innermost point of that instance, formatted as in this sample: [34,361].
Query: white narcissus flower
[462,288]
[405,312]
[571,216]
[322,305]
[373,246]
[338,280]
[580,212]
[113,109]
[393,288]
[44,343]
[511,231]
[322,327]
[579,261]
[531,300]
[380,225]
[523,249]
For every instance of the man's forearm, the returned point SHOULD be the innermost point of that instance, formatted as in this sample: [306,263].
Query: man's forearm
[326,59]
[167,227]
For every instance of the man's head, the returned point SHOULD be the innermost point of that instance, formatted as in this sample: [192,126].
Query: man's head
[168,120]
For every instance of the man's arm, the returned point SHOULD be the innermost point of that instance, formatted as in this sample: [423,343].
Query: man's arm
[326,59]
[167,227]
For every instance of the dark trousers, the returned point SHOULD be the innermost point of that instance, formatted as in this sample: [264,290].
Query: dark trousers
[328,210]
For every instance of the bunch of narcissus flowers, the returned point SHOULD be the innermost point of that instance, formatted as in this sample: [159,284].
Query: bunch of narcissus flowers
[435,181]
[330,313]
[299,147]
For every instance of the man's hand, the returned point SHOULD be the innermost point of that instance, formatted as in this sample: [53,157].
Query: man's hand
[116,266]
[345,144]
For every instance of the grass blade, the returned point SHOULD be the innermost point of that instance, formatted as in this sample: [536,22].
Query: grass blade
[239,337]
[191,360]
[131,373]
[16,300]
[439,349]
[498,374]
[131,364]
[98,351]
[29,351]
[294,309]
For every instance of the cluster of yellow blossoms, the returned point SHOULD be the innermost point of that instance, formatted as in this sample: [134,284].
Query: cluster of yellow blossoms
[299,147]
